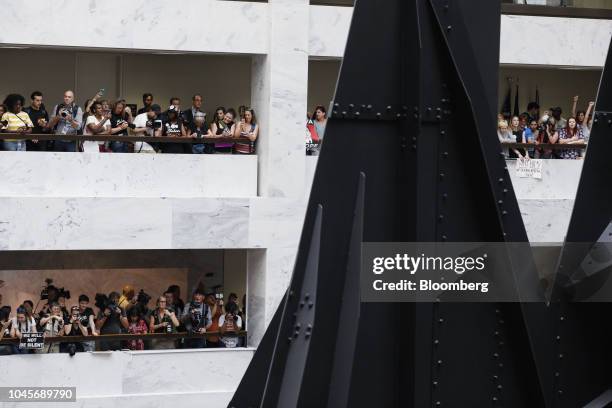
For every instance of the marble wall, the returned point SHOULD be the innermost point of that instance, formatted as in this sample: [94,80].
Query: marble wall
[206,377]
[42,174]
[178,26]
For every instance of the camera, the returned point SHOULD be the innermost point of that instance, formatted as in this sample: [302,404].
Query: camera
[63,110]
[61,292]
[131,126]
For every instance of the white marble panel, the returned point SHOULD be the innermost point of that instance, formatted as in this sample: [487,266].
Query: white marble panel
[546,221]
[183,25]
[560,179]
[210,223]
[275,222]
[560,41]
[135,379]
[47,174]
[84,223]
[279,85]
[329,28]
[279,269]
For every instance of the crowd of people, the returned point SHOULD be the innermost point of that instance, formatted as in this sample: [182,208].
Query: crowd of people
[102,117]
[549,128]
[128,313]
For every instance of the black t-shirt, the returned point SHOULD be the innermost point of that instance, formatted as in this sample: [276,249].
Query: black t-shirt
[35,116]
[172,128]
[85,317]
[117,120]
[112,325]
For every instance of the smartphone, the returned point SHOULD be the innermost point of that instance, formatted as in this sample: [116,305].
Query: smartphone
[101,91]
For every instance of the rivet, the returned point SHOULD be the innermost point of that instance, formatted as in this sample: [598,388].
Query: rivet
[501,365]
[336,104]
[438,403]
[289,339]
[494,399]
[343,113]
[306,296]
[557,374]
[501,322]
[495,378]
[307,335]
[444,238]
[335,113]
[290,293]
[439,362]
[357,114]
[560,392]
[562,318]
[436,342]
[500,202]
[435,383]
[310,305]
[398,115]
[501,180]
[414,139]
[442,132]
[440,320]
[499,387]
[309,327]
[414,147]
[298,325]
[428,109]
[438,117]
[496,333]
[558,338]
[363,106]
[497,311]
[369,107]
[351,106]
[404,108]
[302,304]
[504,212]
[505,190]
[441,217]
[445,154]
[378,115]
[448,28]
[444,196]
[296,334]
[561,356]
[389,108]
[441,176]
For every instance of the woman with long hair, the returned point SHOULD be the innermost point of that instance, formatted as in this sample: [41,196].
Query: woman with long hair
[570,134]
[247,128]
[224,128]
[320,121]
[120,122]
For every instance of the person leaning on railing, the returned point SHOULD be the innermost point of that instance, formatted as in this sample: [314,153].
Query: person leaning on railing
[247,127]
[224,128]
[22,323]
[67,120]
[121,119]
[230,324]
[147,124]
[163,320]
[96,124]
[14,120]
[53,326]
[570,135]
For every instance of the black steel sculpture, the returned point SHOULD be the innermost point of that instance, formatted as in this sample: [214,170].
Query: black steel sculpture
[410,155]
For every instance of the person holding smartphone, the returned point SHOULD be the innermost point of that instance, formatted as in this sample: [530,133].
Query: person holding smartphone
[53,326]
[230,324]
[246,129]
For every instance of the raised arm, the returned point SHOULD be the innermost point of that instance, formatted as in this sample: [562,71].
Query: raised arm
[574,104]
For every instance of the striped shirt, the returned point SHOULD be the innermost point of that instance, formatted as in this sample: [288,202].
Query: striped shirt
[16,121]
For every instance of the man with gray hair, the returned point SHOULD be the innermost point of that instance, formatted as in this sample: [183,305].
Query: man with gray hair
[67,120]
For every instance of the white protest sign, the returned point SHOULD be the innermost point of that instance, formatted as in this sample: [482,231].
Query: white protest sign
[529,168]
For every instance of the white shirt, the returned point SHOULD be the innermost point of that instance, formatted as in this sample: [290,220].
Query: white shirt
[140,121]
[89,146]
